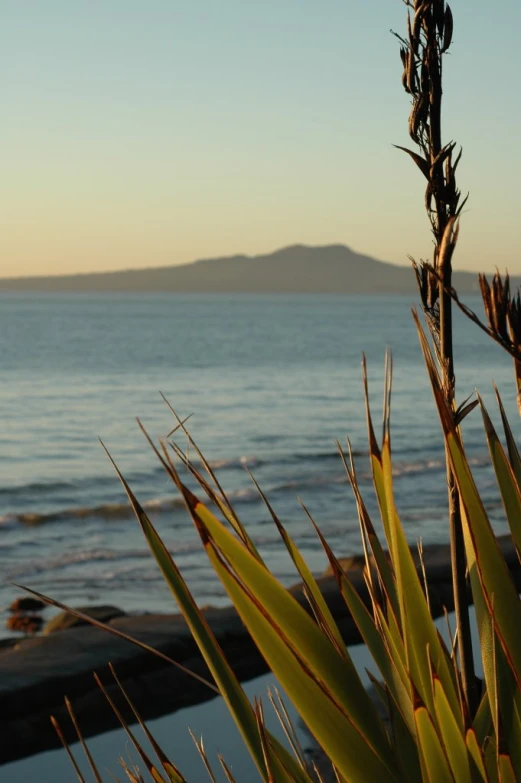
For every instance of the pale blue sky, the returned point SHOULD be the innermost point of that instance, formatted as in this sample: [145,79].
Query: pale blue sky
[149,133]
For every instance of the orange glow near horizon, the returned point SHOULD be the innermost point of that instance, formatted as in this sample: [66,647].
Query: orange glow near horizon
[140,136]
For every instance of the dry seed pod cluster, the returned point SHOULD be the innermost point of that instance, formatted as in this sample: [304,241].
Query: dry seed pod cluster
[429,35]
[503,313]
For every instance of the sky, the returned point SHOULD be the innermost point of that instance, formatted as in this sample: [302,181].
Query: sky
[154,133]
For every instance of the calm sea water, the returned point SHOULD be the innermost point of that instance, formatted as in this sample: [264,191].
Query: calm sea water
[271,381]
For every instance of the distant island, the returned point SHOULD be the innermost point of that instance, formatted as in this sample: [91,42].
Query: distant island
[298,269]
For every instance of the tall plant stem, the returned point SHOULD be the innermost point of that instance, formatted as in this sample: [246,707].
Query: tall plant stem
[457,544]
[429,35]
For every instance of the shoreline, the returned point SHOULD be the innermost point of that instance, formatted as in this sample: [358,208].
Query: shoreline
[38,672]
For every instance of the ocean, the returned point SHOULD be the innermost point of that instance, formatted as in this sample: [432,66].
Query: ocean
[271,382]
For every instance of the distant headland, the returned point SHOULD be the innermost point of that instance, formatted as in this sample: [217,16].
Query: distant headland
[297,269]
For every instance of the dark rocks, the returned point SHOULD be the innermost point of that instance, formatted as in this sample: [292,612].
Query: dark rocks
[23,618]
[36,675]
[26,604]
[39,671]
[351,563]
[11,641]
[24,623]
[66,620]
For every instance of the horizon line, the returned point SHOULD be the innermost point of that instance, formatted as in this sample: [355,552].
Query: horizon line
[250,256]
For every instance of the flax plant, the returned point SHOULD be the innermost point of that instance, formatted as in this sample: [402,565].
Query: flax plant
[431,737]
[422,51]
[503,314]
[440,729]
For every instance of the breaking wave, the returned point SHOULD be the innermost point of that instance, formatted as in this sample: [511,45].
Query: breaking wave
[159,505]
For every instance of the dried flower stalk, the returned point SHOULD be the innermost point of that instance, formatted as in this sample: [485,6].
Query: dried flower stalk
[503,313]
[429,36]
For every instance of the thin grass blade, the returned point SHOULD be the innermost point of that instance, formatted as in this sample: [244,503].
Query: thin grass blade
[170,769]
[83,744]
[227,682]
[222,499]
[383,568]
[67,749]
[115,632]
[151,767]
[204,757]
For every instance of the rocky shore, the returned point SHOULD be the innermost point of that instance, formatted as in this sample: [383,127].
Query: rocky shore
[36,673]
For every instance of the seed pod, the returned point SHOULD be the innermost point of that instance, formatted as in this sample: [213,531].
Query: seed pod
[419,114]
[409,29]
[411,74]
[485,295]
[514,323]
[416,27]
[438,12]
[450,185]
[458,158]
[496,299]
[424,77]
[514,320]
[414,122]
[448,243]
[428,197]
[423,283]
[405,75]
[433,290]
[447,29]
[438,161]
[448,167]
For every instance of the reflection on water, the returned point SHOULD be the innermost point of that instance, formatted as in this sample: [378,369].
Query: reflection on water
[272,382]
